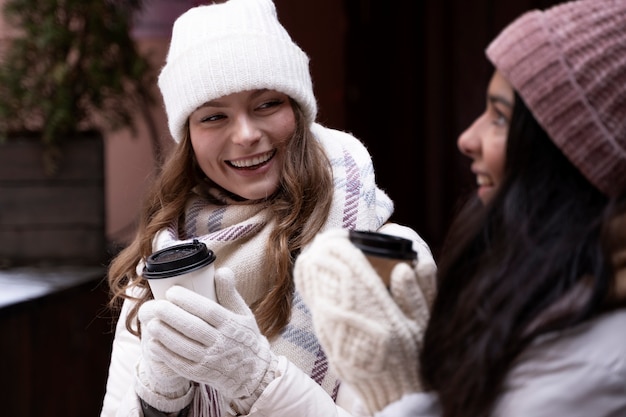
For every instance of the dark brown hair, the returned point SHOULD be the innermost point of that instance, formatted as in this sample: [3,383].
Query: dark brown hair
[507,265]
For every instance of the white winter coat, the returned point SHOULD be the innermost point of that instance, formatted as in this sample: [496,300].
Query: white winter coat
[292,393]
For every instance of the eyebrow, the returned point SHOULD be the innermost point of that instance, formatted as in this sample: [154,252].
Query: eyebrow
[498,99]
[218,103]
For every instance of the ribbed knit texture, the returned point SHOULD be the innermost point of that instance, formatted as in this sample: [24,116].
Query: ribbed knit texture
[568,63]
[221,49]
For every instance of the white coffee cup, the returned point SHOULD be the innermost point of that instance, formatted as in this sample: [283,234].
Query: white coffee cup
[190,265]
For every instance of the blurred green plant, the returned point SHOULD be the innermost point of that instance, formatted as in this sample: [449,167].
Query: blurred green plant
[71,66]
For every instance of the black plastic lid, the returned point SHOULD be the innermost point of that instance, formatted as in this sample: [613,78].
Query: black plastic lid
[382,245]
[178,260]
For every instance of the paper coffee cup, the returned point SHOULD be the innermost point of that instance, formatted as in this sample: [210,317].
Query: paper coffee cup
[190,265]
[383,251]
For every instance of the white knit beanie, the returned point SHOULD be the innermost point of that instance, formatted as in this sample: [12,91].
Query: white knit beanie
[225,48]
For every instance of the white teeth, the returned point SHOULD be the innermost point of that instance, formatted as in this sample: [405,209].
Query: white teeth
[246,163]
[483,180]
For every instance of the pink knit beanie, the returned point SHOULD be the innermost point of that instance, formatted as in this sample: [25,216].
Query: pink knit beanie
[568,64]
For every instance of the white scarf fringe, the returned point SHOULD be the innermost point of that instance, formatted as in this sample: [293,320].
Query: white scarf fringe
[207,402]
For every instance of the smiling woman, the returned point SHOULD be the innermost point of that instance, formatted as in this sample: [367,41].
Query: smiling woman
[255,178]
[240,141]
[485,140]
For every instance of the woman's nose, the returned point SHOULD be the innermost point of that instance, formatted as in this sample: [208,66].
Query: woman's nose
[469,141]
[245,131]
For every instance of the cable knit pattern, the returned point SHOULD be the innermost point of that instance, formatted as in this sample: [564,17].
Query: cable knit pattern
[219,345]
[372,339]
[156,383]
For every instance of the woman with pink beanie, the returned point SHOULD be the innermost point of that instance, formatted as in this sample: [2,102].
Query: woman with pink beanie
[529,317]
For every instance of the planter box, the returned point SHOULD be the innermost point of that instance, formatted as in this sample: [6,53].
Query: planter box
[58,218]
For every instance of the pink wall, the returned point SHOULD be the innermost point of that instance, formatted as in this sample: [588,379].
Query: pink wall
[129,160]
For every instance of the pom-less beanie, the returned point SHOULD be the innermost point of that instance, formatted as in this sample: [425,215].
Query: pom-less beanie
[225,48]
[568,63]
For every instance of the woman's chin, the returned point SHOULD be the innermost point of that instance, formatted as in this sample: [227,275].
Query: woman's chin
[485,193]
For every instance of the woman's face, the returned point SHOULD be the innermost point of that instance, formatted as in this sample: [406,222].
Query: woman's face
[485,140]
[239,140]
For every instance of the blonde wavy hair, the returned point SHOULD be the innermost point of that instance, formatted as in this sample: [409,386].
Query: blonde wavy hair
[300,208]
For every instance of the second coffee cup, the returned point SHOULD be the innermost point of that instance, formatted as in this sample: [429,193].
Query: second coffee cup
[190,265]
[383,251]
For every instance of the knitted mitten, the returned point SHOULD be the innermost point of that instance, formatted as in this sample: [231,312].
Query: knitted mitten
[155,382]
[372,337]
[218,345]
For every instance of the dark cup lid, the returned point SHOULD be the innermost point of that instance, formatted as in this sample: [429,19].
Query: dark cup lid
[178,260]
[383,245]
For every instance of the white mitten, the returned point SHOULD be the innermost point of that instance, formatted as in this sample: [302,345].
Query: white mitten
[372,337]
[155,382]
[219,345]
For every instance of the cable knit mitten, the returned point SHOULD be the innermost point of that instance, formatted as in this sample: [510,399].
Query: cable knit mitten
[372,337]
[218,345]
[155,382]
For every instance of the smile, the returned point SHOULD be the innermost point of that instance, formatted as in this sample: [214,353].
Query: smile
[254,162]
[483,181]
